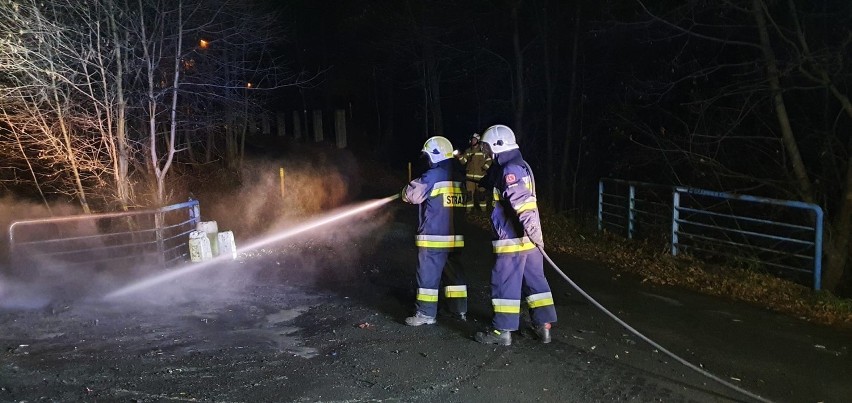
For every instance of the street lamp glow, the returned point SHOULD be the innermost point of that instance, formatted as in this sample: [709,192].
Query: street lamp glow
[203,44]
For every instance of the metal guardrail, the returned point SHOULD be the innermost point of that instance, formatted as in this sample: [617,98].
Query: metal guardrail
[777,235]
[122,239]
[636,208]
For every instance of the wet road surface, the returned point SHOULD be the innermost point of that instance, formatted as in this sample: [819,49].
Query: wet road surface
[321,320]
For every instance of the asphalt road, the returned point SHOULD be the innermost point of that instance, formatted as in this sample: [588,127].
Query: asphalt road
[321,320]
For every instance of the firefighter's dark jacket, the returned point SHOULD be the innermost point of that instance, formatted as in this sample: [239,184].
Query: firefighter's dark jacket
[440,196]
[515,212]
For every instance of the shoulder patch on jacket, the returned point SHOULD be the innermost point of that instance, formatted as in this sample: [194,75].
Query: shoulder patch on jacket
[510,179]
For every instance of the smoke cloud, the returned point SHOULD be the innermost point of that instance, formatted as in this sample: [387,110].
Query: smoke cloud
[15,293]
[256,207]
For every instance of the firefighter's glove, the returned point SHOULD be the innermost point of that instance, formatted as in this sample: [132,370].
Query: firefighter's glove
[534,234]
[402,194]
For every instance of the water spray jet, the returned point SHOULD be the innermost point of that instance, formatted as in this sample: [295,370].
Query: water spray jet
[328,218]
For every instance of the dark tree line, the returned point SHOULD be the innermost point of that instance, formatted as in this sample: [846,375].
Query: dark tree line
[747,96]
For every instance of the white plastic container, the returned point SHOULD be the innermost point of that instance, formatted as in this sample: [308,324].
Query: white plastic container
[199,247]
[211,229]
[227,245]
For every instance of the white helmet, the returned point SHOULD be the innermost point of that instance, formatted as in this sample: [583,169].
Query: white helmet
[438,149]
[499,138]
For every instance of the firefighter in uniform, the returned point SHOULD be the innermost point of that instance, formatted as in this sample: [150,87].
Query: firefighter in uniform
[476,164]
[519,267]
[438,193]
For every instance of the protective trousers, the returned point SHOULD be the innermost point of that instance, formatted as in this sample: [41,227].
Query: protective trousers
[476,195]
[518,275]
[470,192]
[434,266]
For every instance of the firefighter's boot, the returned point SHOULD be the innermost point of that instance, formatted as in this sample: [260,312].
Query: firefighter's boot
[419,319]
[500,337]
[542,332]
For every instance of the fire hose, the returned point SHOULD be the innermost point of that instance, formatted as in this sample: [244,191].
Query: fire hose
[645,338]
[334,216]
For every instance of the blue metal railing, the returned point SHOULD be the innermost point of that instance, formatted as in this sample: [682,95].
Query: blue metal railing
[635,208]
[780,235]
[116,239]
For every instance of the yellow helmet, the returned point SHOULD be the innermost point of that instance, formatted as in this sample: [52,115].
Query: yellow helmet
[438,149]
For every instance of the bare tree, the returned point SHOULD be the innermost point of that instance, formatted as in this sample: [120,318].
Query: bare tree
[813,67]
[803,183]
[229,72]
[120,44]
[39,67]
[519,92]
[97,92]
[748,117]
[153,38]
[572,132]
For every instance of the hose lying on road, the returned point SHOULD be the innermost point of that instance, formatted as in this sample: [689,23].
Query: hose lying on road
[648,340]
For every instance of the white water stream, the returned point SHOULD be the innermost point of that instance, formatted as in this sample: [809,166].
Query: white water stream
[328,218]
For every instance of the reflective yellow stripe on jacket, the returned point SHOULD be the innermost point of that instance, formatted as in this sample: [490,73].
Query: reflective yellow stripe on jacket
[439,241]
[529,204]
[446,187]
[512,245]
